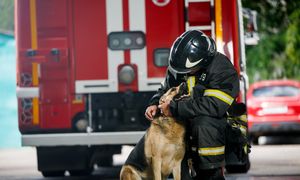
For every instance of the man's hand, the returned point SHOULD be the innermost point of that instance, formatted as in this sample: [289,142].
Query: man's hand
[150,112]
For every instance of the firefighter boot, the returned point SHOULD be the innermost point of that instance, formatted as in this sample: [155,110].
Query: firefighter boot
[210,174]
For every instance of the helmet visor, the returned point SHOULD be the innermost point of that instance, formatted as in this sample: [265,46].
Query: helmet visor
[175,73]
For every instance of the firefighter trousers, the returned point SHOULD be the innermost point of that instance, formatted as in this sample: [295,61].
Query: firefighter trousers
[206,146]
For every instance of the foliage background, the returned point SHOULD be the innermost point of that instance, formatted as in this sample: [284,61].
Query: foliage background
[6,16]
[276,56]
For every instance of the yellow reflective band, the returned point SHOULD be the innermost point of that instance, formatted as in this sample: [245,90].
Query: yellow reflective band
[211,151]
[191,81]
[220,95]
[33,24]
[35,76]
[35,66]
[34,43]
[35,111]
[218,20]
[243,118]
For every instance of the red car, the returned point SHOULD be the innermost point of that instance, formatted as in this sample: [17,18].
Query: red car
[273,108]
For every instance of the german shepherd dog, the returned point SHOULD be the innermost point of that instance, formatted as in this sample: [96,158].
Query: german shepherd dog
[164,145]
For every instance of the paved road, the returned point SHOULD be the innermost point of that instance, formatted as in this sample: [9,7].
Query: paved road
[272,161]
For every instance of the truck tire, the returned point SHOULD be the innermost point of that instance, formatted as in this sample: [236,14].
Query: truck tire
[53,173]
[106,161]
[84,172]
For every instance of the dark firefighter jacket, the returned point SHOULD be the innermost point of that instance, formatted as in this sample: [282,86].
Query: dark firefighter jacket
[214,90]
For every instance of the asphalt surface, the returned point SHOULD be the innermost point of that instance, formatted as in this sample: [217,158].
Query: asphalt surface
[274,159]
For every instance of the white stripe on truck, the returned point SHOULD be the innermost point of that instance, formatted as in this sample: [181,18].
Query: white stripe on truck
[114,18]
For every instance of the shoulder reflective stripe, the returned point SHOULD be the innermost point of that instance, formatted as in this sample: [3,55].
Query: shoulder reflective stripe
[191,83]
[220,95]
[211,151]
[243,118]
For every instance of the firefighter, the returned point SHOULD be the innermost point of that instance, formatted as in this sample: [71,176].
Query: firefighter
[213,85]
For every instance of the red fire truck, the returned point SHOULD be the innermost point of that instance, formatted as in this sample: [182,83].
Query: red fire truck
[87,68]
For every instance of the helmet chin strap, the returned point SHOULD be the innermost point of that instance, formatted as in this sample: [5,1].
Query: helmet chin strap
[194,71]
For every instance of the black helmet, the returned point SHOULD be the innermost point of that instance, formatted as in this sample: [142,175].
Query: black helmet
[190,51]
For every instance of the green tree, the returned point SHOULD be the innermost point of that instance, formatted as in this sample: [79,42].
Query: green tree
[7,16]
[277,54]
[292,49]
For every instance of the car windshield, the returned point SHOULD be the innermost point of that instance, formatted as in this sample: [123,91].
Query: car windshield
[276,91]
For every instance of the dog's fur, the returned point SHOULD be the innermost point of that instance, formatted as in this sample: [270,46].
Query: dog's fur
[164,147]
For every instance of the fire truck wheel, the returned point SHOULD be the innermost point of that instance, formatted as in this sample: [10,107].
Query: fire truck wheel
[84,172]
[53,173]
[106,161]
